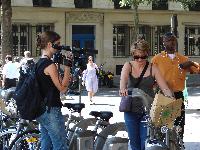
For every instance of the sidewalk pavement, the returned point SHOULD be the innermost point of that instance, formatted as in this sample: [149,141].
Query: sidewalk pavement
[107,99]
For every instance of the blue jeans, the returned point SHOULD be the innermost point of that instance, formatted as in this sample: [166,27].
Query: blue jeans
[137,129]
[52,128]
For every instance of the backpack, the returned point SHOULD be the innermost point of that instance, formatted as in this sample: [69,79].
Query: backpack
[30,103]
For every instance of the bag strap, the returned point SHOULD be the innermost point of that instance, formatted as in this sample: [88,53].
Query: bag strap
[142,74]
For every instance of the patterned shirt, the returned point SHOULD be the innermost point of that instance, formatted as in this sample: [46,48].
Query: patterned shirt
[170,70]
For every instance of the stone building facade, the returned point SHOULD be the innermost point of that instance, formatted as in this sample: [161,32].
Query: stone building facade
[104,26]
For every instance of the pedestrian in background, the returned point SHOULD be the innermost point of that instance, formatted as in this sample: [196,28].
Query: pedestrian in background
[9,73]
[17,63]
[173,67]
[90,78]
[135,120]
[52,123]
[26,61]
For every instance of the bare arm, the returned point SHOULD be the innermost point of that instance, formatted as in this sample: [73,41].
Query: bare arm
[161,82]
[190,66]
[3,80]
[4,75]
[61,85]
[124,79]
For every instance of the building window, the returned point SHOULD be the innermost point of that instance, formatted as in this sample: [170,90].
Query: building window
[192,40]
[42,3]
[118,6]
[161,5]
[121,40]
[119,69]
[157,40]
[195,7]
[83,3]
[20,39]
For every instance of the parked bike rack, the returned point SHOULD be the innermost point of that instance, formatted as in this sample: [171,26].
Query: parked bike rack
[116,143]
[85,140]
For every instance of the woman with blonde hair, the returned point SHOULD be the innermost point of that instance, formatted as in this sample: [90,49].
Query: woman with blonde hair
[135,120]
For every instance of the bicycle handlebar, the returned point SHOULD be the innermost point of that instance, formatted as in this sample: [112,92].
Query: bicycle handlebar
[145,98]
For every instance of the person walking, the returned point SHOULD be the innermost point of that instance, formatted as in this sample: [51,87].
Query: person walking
[10,73]
[17,63]
[173,67]
[52,124]
[135,120]
[90,78]
[26,63]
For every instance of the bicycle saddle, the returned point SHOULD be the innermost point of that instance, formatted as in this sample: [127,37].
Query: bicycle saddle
[77,107]
[104,115]
[145,98]
[95,113]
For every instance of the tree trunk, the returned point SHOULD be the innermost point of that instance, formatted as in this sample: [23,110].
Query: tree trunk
[136,23]
[6,29]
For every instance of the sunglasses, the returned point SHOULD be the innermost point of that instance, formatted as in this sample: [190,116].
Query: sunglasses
[141,57]
[89,59]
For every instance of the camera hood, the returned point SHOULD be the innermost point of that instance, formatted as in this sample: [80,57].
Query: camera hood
[61,47]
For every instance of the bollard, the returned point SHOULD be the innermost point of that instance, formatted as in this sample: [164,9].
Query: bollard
[116,143]
[85,140]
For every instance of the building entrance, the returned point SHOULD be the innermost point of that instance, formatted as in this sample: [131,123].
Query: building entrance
[83,36]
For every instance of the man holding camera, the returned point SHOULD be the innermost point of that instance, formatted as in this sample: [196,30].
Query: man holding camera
[174,66]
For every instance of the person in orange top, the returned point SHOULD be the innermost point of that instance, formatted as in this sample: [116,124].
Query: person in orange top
[174,66]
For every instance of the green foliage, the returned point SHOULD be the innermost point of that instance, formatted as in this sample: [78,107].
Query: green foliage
[185,3]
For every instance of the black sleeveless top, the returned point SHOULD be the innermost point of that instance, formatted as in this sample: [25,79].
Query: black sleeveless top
[48,89]
[146,84]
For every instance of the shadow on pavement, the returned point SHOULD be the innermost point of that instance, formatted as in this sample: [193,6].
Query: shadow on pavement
[194,91]
[192,145]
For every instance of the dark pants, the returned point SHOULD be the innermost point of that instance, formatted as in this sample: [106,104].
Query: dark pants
[180,120]
[136,125]
[10,83]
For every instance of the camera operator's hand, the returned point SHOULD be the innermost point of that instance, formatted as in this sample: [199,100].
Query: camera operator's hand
[69,55]
[67,61]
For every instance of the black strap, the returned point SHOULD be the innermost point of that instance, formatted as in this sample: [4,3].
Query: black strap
[142,74]
[44,64]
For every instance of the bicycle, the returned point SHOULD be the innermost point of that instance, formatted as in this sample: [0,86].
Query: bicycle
[30,138]
[10,124]
[101,120]
[159,138]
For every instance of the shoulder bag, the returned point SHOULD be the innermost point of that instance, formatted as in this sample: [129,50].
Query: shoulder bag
[126,101]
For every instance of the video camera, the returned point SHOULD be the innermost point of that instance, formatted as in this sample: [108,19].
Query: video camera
[79,56]
[59,58]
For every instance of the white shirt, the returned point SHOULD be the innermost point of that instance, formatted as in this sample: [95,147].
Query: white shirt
[18,68]
[171,56]
[23,63]
[10,70]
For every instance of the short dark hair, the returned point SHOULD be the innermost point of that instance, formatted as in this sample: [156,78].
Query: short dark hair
[169,35]
[9,57]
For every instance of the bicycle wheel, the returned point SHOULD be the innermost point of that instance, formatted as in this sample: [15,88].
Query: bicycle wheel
[109,130]
[174,141]
[6,136]
[4,141]
[28,140]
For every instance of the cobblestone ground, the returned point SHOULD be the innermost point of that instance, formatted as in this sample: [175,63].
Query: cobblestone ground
[108,100]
